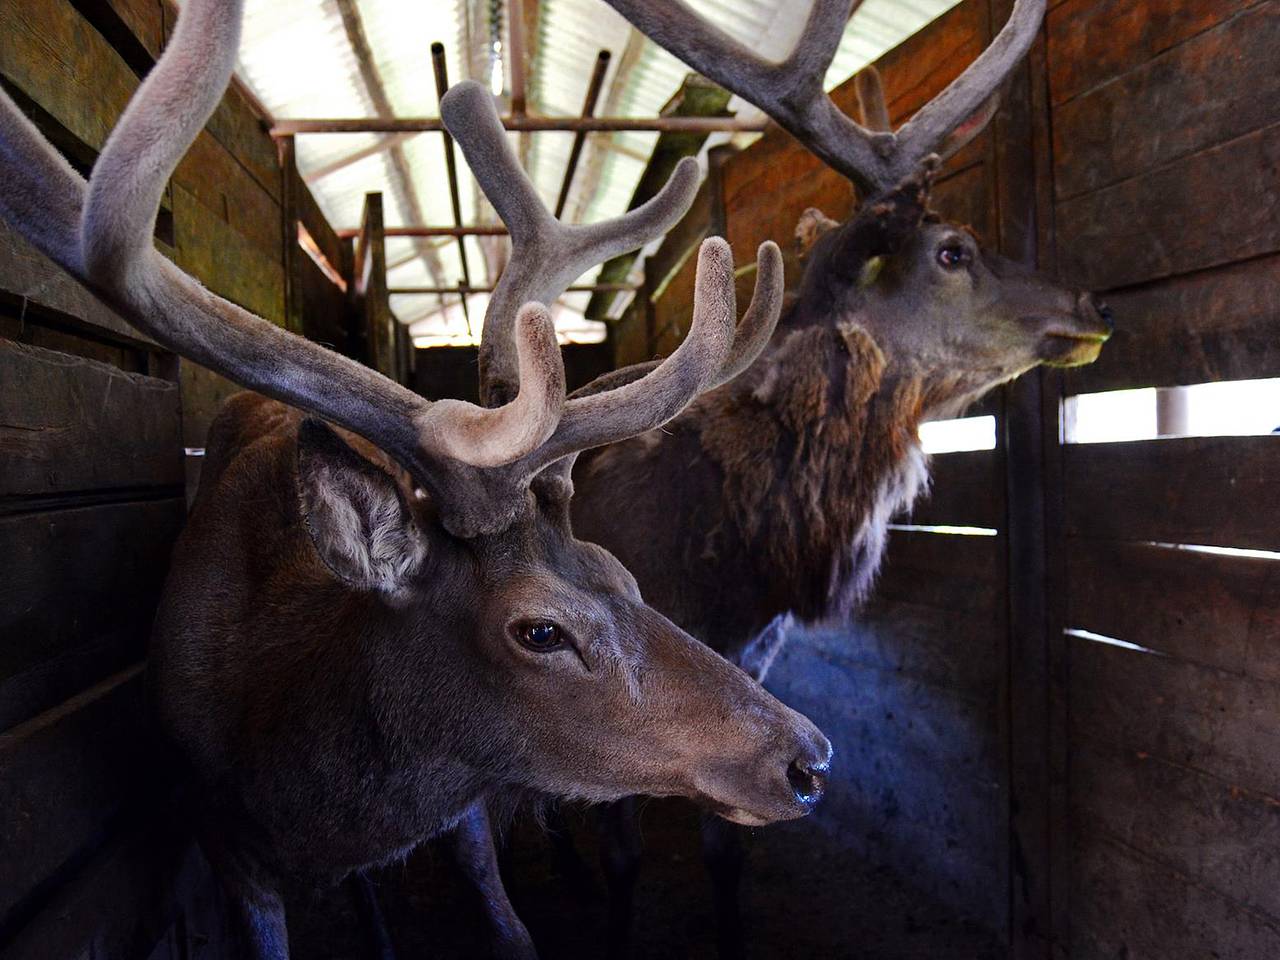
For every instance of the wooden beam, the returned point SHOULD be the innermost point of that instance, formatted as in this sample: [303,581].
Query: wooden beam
[524,124]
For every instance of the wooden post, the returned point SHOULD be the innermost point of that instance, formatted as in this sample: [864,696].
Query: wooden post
[371,290]
[290,213]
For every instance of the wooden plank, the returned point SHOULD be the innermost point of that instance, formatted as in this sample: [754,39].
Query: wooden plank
[1214,610]
[1219,324]
[950,572]
[1217,491]
[323,305]
[78,596]
[371,288]
[1126,905]
[1190,214]
[227,263]
[80,425]
[1091,41]
[1218,834]
[1210,90]
[1215,722]
[64,774]
[33,282]
[965,491]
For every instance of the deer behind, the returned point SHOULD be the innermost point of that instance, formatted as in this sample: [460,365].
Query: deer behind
[771,495]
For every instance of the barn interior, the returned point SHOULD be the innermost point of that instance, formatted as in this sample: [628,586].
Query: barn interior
[1056,718]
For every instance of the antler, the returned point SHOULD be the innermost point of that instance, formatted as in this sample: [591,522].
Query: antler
[790,91]
[546,255]
[477,462]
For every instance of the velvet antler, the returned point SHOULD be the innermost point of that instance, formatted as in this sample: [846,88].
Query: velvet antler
[790,91]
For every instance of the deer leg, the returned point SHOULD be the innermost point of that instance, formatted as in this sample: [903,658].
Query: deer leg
[620,858]
[371,917]
[473,851]
[723,855]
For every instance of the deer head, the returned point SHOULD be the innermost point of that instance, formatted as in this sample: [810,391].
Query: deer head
[421,624]
[932,297]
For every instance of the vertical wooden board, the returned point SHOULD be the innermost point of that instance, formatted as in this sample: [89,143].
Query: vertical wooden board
[64,774]
[1219,324]
[1091,41]
[323,305]
[1210,720]
[920,67]
[78,425]
[1214,207]
[76,602]
[1209,830]
[1218,611]
[1213,491]
[1125,905]
[227,193]
[1214,88]
[964,198]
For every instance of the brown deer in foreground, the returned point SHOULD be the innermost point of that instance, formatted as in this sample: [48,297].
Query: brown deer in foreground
[373,624]
[771,495]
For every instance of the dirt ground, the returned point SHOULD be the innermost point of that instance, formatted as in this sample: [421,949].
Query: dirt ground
[803,898]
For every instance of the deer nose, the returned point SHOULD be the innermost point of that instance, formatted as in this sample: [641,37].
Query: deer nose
[807,773]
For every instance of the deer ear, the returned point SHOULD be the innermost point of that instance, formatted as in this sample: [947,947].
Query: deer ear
[813,224]
[355,513]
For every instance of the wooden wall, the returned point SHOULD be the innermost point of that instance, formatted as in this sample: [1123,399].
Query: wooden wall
[94,419]
[1084,799]
[1164,192]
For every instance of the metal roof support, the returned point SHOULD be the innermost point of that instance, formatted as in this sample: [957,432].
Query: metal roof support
[580,138]
[377,93]
[450,160]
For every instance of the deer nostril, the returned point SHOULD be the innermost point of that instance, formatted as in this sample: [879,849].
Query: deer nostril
[1105,313]
[807,780]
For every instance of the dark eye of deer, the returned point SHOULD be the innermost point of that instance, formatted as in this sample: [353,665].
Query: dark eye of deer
[953,256]
[539,637]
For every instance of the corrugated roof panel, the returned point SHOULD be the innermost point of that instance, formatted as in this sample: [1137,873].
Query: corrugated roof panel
[297,58]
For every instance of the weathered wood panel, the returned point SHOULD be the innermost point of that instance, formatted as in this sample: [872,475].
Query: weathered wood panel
[1091,41]
[950,572]
[77,598]
[1218,491]
[1202,93]
[1210,830]
[78,425]
[1216,722]
[371,289]
[1126,905]
[965,491]
[64,774]
[1219,324]
[1218,611]
[1215,207]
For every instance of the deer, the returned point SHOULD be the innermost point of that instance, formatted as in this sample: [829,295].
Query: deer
[378,617]
[769,498]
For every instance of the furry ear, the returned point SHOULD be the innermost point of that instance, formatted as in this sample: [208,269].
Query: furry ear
[357,518]
[812,226]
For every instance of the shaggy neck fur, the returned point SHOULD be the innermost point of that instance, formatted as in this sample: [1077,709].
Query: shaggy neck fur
[818,447]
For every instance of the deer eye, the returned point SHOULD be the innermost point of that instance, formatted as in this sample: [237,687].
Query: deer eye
[953,256]
[539,636]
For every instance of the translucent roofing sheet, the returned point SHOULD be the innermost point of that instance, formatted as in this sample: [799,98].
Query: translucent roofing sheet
[298,57]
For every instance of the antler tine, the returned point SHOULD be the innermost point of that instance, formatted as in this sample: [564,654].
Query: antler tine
[547,255]
[871,102]
[101,234]
[973,92]
[790,91]
[648,402]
